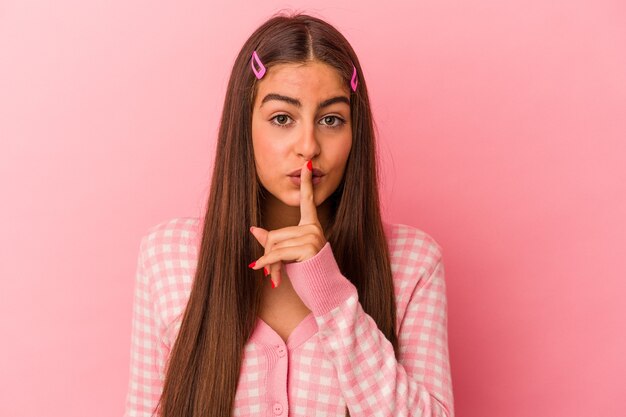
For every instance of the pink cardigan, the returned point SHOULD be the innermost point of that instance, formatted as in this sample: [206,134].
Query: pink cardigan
[335,358]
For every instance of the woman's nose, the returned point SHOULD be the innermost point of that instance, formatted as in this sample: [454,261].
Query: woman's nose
[307,142]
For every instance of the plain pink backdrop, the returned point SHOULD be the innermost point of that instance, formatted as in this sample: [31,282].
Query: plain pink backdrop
[502,135]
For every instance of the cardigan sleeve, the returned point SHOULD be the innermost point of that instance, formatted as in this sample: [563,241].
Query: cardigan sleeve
[147,351]
[373,382]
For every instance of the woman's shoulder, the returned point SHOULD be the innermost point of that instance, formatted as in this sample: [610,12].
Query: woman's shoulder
[176,230]
[169,252]
[170,239]
[406,241]
[414,255]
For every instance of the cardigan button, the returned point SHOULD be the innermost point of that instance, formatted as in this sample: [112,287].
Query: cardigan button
[278,408]
[280,350]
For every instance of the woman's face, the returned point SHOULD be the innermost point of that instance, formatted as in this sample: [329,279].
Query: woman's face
[289,127]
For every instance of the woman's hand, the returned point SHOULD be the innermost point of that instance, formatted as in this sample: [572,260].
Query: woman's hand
[293,243]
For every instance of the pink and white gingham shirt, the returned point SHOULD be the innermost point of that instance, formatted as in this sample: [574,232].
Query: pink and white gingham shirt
[335,358]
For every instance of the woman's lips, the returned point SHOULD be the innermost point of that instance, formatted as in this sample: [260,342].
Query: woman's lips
[314,180]
[316,171]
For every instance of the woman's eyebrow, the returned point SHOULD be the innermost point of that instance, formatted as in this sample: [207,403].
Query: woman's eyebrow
[296,102]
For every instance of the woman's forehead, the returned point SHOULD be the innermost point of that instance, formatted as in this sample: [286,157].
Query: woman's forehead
[301,82]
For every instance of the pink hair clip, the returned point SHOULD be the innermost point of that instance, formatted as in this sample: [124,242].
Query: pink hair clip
[354,82]
[260,72]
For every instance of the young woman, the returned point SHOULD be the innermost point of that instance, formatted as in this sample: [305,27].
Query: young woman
[351,318]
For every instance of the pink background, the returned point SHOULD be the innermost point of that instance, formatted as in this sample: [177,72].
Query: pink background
[502,134]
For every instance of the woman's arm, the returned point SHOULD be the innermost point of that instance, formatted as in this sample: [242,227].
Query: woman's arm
[147,352]
[372,381]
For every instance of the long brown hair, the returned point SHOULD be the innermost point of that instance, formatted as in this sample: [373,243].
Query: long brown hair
[204,364]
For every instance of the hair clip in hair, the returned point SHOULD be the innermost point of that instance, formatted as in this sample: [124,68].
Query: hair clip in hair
[261,71]
[354,82]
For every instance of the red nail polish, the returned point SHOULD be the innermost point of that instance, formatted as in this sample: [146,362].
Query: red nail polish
[252,264]
[265,271]
[309,165]
[273,286]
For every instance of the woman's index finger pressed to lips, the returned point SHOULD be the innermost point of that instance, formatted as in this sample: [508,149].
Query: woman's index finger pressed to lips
[308,211]
[308,216]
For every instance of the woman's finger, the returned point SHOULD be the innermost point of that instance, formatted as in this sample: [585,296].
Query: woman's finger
[272,237]
[275,271]
[287,254]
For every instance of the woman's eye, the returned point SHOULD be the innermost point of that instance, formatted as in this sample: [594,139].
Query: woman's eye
[281,119]
[341,121]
